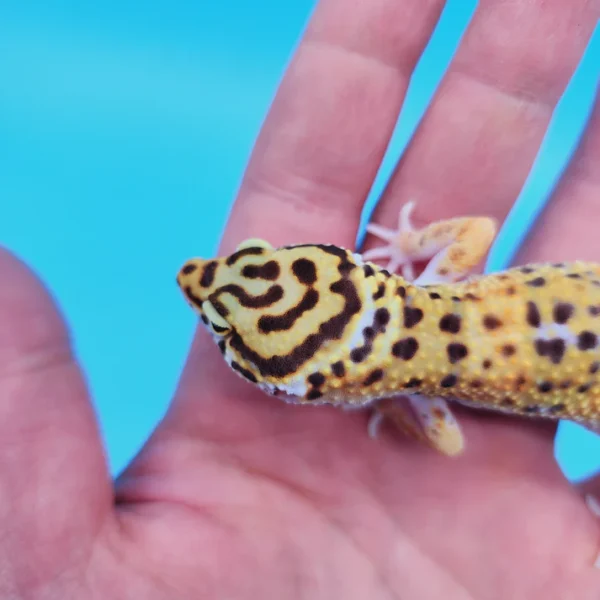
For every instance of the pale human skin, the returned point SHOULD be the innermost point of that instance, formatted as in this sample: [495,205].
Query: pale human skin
[236,495]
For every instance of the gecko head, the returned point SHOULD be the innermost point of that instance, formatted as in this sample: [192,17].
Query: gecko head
[271,309]
[223,290]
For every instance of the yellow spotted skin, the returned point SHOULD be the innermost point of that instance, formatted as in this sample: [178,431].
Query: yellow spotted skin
[315,323]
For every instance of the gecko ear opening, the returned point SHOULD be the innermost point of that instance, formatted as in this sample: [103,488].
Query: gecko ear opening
[217,322]
[254,243]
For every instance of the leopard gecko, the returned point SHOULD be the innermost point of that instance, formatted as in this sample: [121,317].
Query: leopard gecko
[317,323]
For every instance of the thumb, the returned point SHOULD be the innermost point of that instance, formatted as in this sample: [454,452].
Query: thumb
[55,489]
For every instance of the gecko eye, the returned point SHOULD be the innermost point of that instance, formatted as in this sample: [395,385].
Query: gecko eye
[218,324]
[254,243]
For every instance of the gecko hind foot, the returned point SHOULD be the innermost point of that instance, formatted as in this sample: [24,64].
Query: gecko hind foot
[428,420]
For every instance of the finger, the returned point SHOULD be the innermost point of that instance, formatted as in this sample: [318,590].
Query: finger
[568,227]
[313,164]
[54,485]
[476,145]
[321,145]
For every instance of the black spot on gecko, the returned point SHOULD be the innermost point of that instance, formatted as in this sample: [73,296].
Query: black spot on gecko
[582,389]
[562,312]
[412,316]
[316,379]
[413,382]
[587,340]
[401,291]
[520,381]
[545,387]
[554,349]
[533,314]
[189,268]
[449,381]
[537,282]
[491,322]
[233,258]
[527,270]
[382,317]
[380,292]
[305,271]
[345,265]
[476,383]
[222,346]
[508,350]
[456,352]
[405,348]
[369,271]
[531,409]
[268,271]
[204,319]
[558,407]
[434,296]
[243,372]
[574,275]
[594,310]
[271,296]
[594,367]
[486,364]
[285,322]
[338,369]
[359,354]
[472,297]
[373,377]
[314,395]
[208,273]
[369,333]
[450,323]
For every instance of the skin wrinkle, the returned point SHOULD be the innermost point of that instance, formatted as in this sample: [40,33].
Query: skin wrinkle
[413,20]
[403,67]
[305,497]
[308,497]
[38,361]
[391,525]
[520,97]
[303,494]
[526,47]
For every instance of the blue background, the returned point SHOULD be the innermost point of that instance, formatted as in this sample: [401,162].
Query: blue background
[125,128]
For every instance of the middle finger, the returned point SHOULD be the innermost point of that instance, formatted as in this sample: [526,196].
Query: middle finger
[476,145]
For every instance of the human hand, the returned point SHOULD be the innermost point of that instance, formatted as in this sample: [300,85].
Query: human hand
[237,495]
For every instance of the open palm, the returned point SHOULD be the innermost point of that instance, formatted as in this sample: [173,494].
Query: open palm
[239,496]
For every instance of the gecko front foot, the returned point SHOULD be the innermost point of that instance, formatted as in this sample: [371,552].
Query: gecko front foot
[453,247]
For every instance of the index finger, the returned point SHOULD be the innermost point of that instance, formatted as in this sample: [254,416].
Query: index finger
[323,140]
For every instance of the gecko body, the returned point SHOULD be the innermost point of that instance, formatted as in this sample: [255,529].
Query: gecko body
[315,323]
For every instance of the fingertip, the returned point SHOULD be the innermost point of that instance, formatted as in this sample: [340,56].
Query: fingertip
[31,324]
